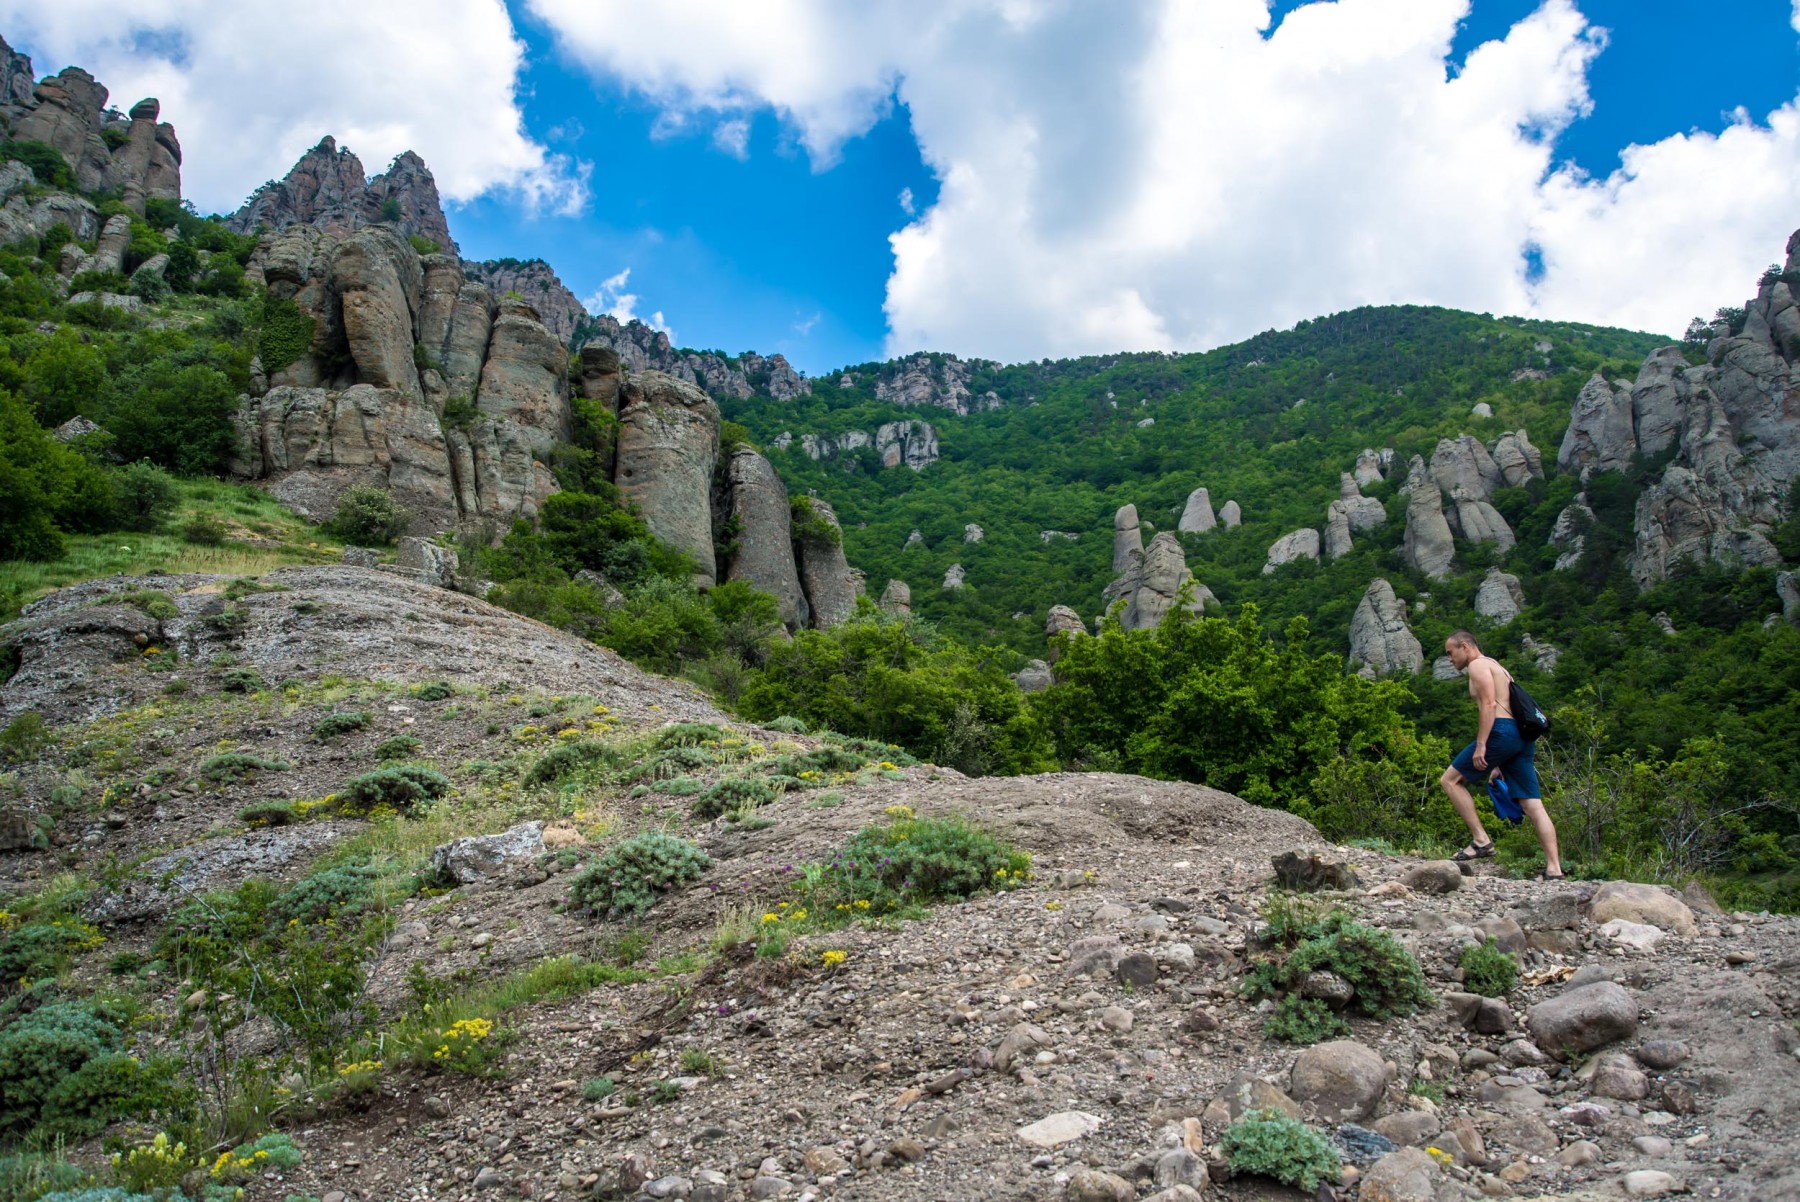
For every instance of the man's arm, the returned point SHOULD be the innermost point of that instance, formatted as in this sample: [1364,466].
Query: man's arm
[1487,703]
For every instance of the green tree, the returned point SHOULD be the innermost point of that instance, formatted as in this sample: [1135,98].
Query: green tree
[45,488]
[63,377]
[178,417]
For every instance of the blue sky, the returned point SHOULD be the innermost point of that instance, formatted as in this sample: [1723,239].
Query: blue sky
[1078,178]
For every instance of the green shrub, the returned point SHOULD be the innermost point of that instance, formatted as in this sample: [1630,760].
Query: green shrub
[28,1176]
[269,813]
[236,766]
[369,517]
[342,723]
[787,724]
[565,760]
[327,893]
[673,762]
[145,494]
[870,749]
[109,1087]
[924,859]
[287,333]
[688,734]
[433,690]
[247,1160]
[97,1193]
[810,525]
[400,788]
[41,948]
[734,793]
[1383,973]
[156,1167]
[1269,1144]
[204,530]
[397,748]
[43,1048]
[23,738]
[423,245]
[45,161]
[241,680]
[1487,970]
[156,604]
[597,1089]
[632,876]
[1303,1020]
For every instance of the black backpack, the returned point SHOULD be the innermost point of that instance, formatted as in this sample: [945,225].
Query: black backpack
[1533,722]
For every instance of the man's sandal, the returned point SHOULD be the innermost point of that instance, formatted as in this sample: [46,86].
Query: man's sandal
[1474,851]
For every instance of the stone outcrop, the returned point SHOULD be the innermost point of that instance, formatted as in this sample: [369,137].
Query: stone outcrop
[1338,542]
[644,348]
[1463,468]
[896,598]
[1034,677]
[1301,544]
[1381,640]
[954,576]
[1363,513]
[1373,465]
[326,188]
[1500,599]
[912,444]
[1062,620]
[1197,516]
[1569,534]
[1519,462]
[973,533]
[830,583]
[934,381]
[1430,550]
[1152,582]
[668,446]
[537,284]
[764,554]
[135,155]
[1128,538]
[1231,517]
[1600,435]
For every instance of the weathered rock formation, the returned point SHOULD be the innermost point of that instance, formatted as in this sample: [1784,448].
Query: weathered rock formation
[1373,465]
[1300,544]
[643,348]
[1231,517]
[1062,620]
[1338,542]
[764,555]
[1363,513]
[1381,640]
[1429,548]
[327,189]
[1152,581]
[937,381]
[537,284]
[1519,462]
[1600,435]
[1197,516]
[831,584]
[953,577]
[896,598]
[912,444]
[1034,677]
[1500,599]
[1128,538]
[668,446]
[68,112]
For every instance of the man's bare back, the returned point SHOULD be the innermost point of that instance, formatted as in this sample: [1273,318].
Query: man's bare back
[1489,681]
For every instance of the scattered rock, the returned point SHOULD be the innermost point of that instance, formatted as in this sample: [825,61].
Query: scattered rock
[1309,872]
[1342,1080]
[1092,1185]
[1650,1183]
[1642,904]
[465,861]
[1434,876]
[1407,1175]
[1584,1018]
[1662,1054]
[1054,1130]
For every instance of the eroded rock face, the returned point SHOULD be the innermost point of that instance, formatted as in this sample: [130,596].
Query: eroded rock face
[937,381]
[1301,544]
[1062,620]
[1338,542]
[1381,640]
[1152,583]
[1197,515]
[913,444]
[525,380]
[379,284]
[1500,598]
[537,284]
[1600,435]
[764,558]
[1231,517]
[668,444]
[896,598]
[327,188]
[1463,469]
[1430,550]
[1519,462]
[831,586]
[1128,538]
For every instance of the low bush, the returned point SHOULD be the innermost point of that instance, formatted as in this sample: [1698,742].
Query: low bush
[204,530]
[1385,976]
[328,893]
[274,1151]
[1304,1020]
[342,723]
[155,1167]
[241,680]
[566,760]
[688,734]
[45,1048]
[269,813]
[433,690]
[401,788]
[368,517]
[36,950]
[1487,970]
[787,724]
[675,761]
[23,738]
[397,748]
[235,766]
[27,1176]
[1269,1144]
[634,875]
[912,859]
[145,494]
[734,794]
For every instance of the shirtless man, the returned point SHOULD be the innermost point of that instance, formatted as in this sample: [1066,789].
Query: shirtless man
[1497,747]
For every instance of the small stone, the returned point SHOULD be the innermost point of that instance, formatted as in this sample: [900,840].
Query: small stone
[767,1187]
[1407,1175]
[1092,1185]
[1650,1183]
[1179,957]
[1151,924]
[490,1178]
[1248,1092]
[1137,970]
[1433,876]
[823,1161]
[1586,1114]
[1116,1019]
[1653,1145]
[1613,1080]
[1523,1052]
[1060,1128]
[1637,936]
[1327,987]
[1021,1044]
[1661,1054]
[1738,956]
[907,1149]
[1581,1152]
[483,939]
[1409,1128]
[1578,1020]
[1342,1079]
[1678,1098]
[1637,903]
[333,1195]
[1199,1021]
[1179,1166]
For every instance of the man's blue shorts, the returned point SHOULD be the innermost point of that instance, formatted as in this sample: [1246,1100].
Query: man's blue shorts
[1511,754]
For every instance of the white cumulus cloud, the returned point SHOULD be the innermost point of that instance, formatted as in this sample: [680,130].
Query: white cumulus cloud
[249,87]
[612,299]
[1171,175]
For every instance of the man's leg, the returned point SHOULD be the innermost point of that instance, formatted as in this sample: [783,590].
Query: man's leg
[1546,833]
[1458,791]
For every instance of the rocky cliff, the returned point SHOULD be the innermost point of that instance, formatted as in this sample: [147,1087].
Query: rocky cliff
[537,284]
[1150,579]
[912,444]
[934,381]
[135,154]
[327,189]
[1731,429]
[643,348]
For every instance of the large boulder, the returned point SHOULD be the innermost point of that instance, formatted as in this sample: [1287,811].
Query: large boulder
[1430,550]
[1197,515]
[1128,538]
[1154,582]
[1479,522]
[1363,513]
[1519,462]
[1600,433]
[1062,620]
[1300,544]
[1342,1080]
[764,555]
[1231,517]
[1380,638]
[1581,1019]
[1463,469]
[913,444]
[1406,1175]
[115,239]
[1635,902]
[465,861]
[668,444]
[825,575]
[1338,542]
[1500,598]
[1659,399]
[896,598]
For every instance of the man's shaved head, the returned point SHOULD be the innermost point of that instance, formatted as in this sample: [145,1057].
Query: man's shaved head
[1465,639]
